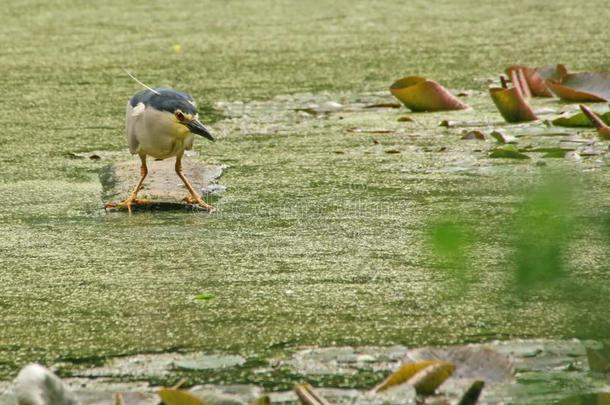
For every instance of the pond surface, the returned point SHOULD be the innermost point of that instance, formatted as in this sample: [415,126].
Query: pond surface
[340,225]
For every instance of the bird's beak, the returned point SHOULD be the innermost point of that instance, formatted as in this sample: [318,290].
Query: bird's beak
[197,127]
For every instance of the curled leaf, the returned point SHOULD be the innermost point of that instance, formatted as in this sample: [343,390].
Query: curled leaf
[308,395]
[581,87]
[403,374]
[471,396]
[430,378]
[421,94]
[502,137]
[535,78]
[512,105]
[172,396]
[603,130]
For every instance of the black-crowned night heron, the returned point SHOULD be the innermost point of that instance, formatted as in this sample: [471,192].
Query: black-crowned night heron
[161,123]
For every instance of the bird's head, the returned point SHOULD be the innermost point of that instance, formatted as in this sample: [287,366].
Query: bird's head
[192,123]
[180,105]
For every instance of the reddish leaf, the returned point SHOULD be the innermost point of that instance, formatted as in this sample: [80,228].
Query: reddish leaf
[602,129]
[581,87]
[420,94]
[536,78]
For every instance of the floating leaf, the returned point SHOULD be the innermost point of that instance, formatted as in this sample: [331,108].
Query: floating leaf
[581,87]
[535,78]
[555,153]
[420,94]
[470,135]
[403,374]
[471,396]
[392,151]
[172,396]
[603,130]
[508,151]
[430,378]
[308,396]
[579,120]
[512,105]
[502,137]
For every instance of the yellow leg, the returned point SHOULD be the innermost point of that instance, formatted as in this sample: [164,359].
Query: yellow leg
[194,198]
[132,199]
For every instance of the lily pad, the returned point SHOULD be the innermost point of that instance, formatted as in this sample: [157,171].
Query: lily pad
[508,151]
[512,105]
[582,87]
[420,94]
[502,137]
[579,120]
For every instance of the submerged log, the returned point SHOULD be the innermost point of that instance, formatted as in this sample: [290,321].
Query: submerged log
[162,189]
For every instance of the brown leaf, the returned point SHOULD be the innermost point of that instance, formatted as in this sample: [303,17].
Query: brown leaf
[512,105]
[420,94]
[405,118]
[581,87]
[536,77]
[603,130]
[429,379]
[308,396]
[403,374]
[470,135]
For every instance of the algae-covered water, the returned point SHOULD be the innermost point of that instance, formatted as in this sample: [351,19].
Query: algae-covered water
[322,235]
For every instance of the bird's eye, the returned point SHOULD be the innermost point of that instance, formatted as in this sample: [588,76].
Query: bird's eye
[179,115]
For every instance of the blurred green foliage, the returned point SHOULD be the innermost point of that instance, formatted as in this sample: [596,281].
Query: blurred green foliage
[542,229]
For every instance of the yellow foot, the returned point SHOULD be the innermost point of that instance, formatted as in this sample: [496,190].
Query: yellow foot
[196,200]
[127,203]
